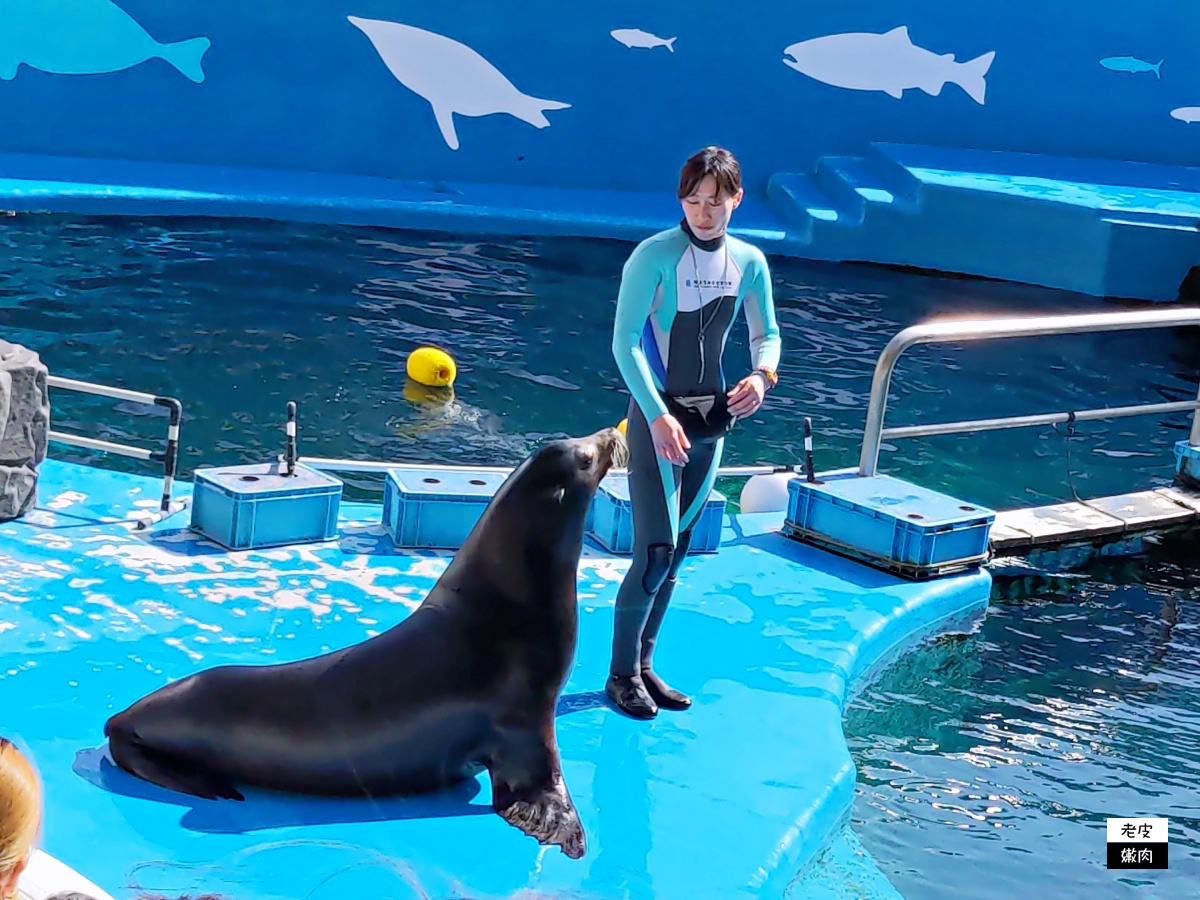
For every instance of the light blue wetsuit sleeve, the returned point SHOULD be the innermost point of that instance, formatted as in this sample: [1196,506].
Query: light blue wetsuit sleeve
[765,343]
[640,278]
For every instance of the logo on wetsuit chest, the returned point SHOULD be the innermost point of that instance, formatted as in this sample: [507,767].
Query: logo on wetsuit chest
[720,283]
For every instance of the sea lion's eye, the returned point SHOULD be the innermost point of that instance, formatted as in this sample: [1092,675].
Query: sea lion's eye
[585,459]
[559,494]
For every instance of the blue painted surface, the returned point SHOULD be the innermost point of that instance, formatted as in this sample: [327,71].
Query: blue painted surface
[769,635]
[325,100]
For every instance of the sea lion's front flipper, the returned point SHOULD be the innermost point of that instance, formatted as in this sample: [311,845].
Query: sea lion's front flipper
[528,790]
[545,813]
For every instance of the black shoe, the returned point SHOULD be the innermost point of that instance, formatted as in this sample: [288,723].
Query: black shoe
[629,694]
[662,693]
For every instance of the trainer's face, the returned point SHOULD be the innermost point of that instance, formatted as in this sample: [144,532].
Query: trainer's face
[707,212]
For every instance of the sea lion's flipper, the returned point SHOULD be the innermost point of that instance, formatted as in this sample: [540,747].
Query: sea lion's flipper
[168,771]
[547,814]
[528,790]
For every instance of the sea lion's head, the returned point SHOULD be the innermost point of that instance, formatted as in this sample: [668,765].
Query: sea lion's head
[545,500]
[565,473]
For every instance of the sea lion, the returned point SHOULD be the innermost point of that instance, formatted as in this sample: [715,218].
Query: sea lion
[469,679]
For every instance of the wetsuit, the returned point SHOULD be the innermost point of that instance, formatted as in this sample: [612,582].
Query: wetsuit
[678,299]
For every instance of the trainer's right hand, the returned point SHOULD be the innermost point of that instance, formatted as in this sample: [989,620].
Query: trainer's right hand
[670,440]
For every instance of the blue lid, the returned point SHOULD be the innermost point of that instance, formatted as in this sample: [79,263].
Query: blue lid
[267,479]
[446,484]
[894,497]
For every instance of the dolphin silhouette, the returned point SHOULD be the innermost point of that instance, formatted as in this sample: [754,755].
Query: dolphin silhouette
[451,76]
[86,37]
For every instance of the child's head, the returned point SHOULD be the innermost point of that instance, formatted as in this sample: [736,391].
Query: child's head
[20,815]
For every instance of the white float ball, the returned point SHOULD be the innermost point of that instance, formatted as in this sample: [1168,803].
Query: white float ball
[766,493]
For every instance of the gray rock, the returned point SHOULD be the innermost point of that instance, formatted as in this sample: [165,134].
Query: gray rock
[18,491]
[24,427]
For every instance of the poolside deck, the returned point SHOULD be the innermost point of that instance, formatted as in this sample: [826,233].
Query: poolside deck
[732,799]
[1102,522]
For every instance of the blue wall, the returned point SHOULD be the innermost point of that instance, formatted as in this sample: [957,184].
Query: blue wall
[297,86]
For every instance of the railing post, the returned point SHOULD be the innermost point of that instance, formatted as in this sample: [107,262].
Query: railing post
[868,459]
[171,456]
[290,444]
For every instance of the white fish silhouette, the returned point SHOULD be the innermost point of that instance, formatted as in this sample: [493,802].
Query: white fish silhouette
[635,37]
[451,76]
[1186,114]
[888,62]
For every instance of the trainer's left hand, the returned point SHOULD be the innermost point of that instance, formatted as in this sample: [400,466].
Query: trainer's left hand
[746,396]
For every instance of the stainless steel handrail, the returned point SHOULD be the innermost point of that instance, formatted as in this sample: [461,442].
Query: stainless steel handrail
[169,457]
[1026,326]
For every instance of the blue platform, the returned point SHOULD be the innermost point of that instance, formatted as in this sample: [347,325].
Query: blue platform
[745,795]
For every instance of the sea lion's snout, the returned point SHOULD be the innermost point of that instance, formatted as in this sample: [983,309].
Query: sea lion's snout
[609,449]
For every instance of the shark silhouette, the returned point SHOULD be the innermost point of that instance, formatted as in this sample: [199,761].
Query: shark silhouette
[451,76]
[85,37]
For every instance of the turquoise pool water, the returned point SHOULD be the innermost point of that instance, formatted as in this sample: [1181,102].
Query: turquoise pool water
[237,318]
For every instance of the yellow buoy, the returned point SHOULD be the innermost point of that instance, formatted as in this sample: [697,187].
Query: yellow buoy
[431,367]
[622,425]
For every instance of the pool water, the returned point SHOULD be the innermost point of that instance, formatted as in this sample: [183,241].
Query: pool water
[235,318]
[987,764]
[1061,711]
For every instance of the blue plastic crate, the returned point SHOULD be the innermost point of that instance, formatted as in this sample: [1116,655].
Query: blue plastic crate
[610,519]
[889,523]
[436,508]
[1187,462]
[257,505]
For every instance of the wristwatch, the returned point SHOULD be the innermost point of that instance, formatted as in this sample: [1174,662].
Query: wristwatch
[769,376]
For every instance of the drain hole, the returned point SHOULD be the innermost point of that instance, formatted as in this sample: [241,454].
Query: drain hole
[432,480]
[478,481]
[915,516]
[249,478]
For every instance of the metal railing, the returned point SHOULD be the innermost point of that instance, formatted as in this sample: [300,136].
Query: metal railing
[169,456]
[1030,326]
[377,466]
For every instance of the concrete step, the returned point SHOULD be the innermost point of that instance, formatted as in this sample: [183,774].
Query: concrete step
[802,203]
[855,185]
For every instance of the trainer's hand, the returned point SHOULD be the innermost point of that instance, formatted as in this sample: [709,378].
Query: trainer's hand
[746,396]
[670,440]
